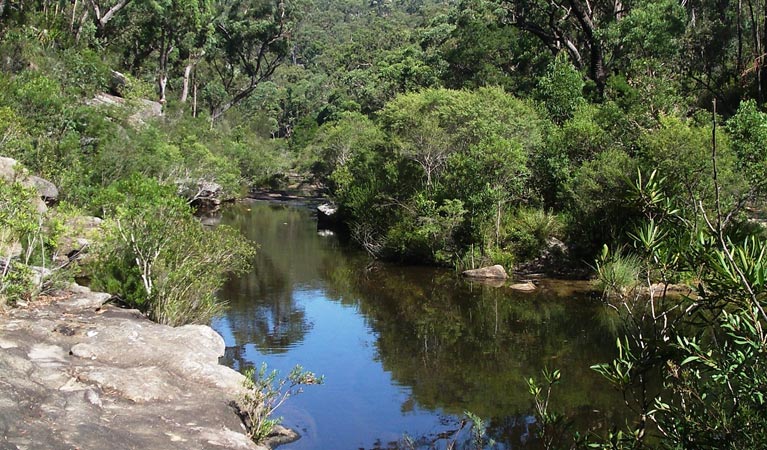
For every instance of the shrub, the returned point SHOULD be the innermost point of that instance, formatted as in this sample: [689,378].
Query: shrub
[159,258]
[529,229]
[618,274]
[264,393]
[20,233]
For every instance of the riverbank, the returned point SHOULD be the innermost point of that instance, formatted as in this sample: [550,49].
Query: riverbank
[78,373]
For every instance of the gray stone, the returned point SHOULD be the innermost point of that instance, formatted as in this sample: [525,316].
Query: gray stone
[118,83]
[8,167]
[47,190]
[497,271]
[144,109]
[527,286]
[73,375]
[79,232]
[11,171]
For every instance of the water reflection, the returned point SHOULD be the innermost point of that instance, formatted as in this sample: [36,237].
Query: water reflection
[405,350]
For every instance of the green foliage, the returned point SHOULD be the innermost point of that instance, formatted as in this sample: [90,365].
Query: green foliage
[748,134]
[15,283]
[20,239]
[528,230]
[159,258]
[560,89]
[596,199]
[618,274]
[18,217]
[682,152]
[550,423]
[711,357]
[265,393]
[427,231]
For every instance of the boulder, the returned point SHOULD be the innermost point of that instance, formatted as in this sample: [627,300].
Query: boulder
[145,109]
[79,233]
[11,171]
[527,286]
[554,259]
[203,194]
[102,377]
[497,272]
[8,167]
[48,191]
[117,83]
[327,215]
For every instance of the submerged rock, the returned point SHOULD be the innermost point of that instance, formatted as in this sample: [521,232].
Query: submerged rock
[527,286]
[497,271]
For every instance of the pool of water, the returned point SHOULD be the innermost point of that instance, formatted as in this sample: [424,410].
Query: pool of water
[405,351]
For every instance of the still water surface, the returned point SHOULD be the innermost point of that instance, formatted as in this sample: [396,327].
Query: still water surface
[404,350]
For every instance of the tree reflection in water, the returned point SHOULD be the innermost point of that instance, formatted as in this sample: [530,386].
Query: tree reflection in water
[447,345]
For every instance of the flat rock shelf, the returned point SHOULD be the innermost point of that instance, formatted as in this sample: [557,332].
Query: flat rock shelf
[75,373]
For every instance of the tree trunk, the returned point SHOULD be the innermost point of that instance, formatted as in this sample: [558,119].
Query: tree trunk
[80,26]
[596,58]
[162,75]
[194,100]
[102,20]
[758,51]
[187,76]
[74,13]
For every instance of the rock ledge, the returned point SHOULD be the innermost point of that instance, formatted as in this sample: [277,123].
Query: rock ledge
[75,373]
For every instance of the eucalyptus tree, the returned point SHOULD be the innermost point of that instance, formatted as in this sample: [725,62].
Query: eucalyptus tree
[250,41]
[162,37]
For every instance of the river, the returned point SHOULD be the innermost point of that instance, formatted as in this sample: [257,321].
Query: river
[405,350]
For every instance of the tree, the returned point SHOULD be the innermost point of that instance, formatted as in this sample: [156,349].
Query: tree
[250,41]
[574,26]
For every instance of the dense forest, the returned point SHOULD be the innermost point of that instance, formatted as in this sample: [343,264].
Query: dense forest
[457,133]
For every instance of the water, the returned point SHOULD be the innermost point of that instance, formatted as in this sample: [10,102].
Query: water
[404,350]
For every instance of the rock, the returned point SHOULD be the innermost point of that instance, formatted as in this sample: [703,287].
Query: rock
[79,233]
[11,171]
[145,109]
[117,83]
[327,215]
[554,259]
[497,271]
[48,191]
[527,286]
[203,194]
[39,275]
[74,377]
[103,99]
[8,167]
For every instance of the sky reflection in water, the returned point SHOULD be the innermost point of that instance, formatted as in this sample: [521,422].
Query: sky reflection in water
[404,351]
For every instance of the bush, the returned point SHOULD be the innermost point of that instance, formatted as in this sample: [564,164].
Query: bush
[20,234]
[618,274]
[528,230]
[159,258]
[264,393]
